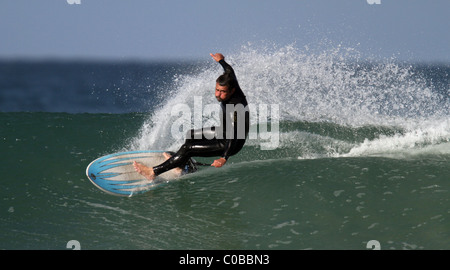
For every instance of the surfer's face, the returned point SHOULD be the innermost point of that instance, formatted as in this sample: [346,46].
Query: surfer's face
[223,93]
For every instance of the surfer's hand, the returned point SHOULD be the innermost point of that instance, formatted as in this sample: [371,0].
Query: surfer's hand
[219,162]
[217,56]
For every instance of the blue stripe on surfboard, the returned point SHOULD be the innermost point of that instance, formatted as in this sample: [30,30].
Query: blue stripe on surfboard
[124,188]
[103,164]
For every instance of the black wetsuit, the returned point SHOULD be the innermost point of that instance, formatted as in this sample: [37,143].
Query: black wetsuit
[224,141]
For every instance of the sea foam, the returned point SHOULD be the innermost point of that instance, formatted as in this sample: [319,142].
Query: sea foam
[334,86]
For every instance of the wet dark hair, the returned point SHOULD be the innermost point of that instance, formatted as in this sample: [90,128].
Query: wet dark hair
[227,80]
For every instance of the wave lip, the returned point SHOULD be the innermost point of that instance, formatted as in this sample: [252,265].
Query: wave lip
[434,140]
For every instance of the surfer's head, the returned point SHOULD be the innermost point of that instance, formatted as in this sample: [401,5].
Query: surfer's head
[225,87]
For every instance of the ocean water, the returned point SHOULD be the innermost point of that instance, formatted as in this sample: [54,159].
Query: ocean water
[360,151]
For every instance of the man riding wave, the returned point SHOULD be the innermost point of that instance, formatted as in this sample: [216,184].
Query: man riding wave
[224,141]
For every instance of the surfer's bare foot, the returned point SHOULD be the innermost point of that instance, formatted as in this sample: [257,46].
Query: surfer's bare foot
[179,171]
[144,170]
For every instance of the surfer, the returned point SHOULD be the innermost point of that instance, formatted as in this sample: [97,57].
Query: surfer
[223,141]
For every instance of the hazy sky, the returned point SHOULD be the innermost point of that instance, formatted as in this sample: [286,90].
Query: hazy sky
[414,30]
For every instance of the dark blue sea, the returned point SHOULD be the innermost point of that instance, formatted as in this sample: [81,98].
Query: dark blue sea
[349,150]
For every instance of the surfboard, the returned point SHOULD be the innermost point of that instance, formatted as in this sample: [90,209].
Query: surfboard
[115,174]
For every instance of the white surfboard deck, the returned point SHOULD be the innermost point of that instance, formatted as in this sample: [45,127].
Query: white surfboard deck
[115,174]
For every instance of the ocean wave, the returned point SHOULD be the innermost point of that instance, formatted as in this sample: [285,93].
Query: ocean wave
[331,104]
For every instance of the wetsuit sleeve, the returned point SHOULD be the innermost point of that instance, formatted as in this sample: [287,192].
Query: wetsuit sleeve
[231,116]
[228,147]
[227,68]
[230,142]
